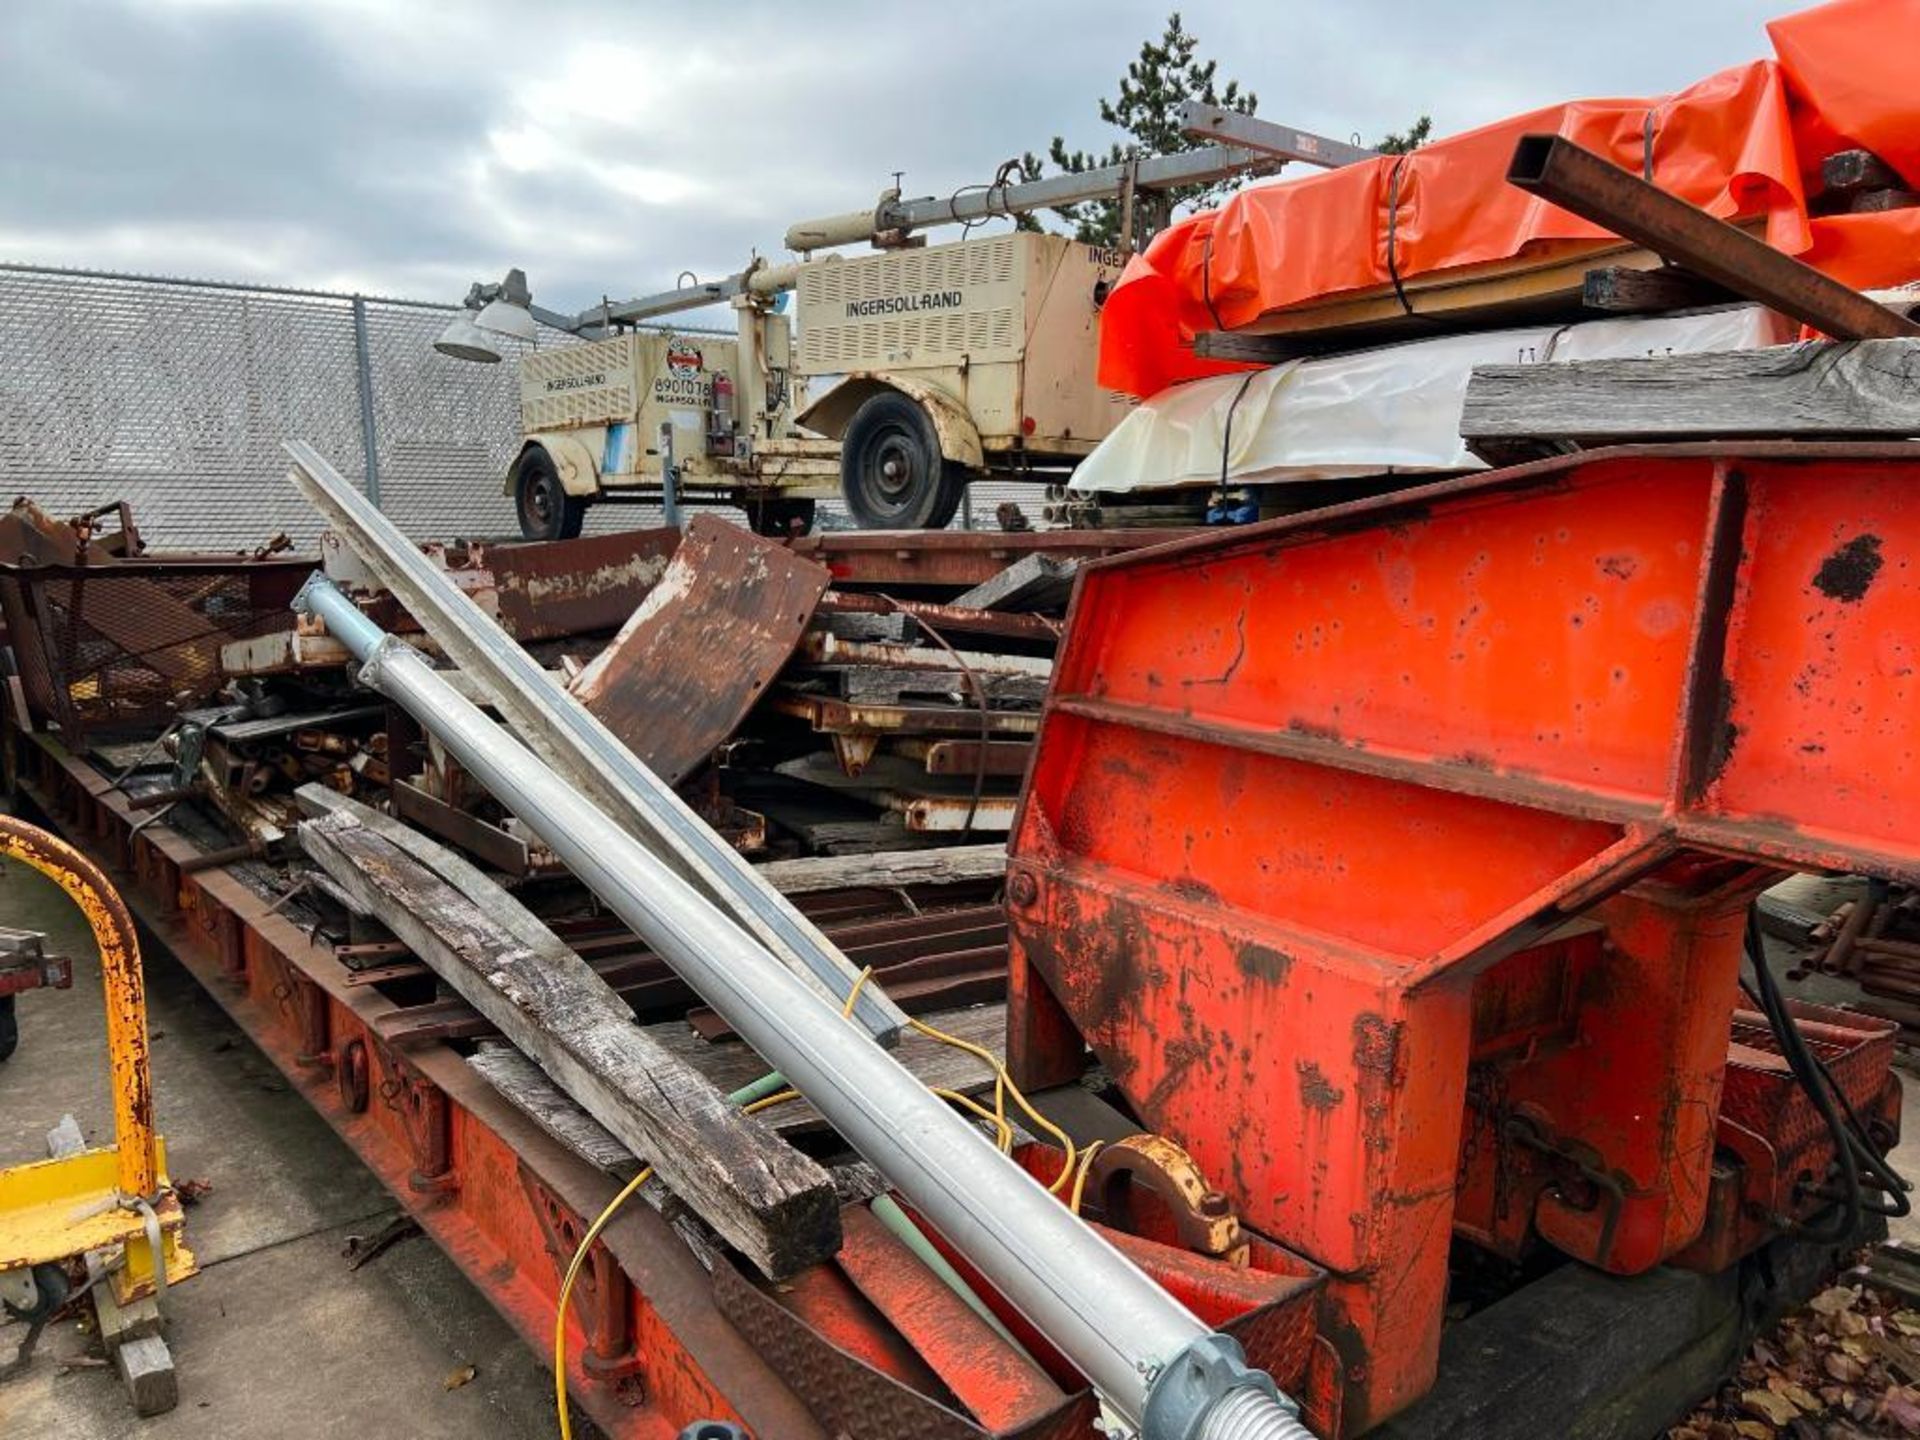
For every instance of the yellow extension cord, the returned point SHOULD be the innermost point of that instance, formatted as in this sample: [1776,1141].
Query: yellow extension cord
[1075,1170]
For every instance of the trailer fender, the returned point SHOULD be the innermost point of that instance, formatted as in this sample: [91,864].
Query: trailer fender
[959,437]
[572,458]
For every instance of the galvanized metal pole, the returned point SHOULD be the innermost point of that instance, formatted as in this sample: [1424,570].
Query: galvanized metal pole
[1152,1361]
[576,745]
[369,426]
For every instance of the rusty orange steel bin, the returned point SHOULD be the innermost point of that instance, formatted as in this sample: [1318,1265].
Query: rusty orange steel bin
[1300,786]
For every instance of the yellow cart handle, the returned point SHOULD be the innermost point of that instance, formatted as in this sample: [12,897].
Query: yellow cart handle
[138,1169]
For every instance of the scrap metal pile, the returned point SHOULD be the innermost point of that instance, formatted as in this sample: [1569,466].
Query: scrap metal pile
[1874,941]
[846,722]
[862,721]
[1366,905]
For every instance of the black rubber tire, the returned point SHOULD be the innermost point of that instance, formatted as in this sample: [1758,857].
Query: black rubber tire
[774,518]
[545,510]
[9,1027]
[51,1288]
[892,473]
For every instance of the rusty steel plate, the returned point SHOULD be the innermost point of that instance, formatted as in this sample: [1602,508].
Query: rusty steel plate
[957,559]
[555,588]
[704,643]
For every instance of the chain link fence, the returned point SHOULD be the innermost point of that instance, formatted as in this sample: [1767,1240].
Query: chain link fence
[175,396]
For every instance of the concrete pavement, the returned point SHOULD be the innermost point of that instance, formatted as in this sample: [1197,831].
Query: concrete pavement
[275,1337]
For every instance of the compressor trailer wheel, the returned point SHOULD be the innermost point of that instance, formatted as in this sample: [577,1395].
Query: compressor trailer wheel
[541,503]
[891,470]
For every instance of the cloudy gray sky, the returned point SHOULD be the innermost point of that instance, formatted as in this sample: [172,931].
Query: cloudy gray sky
[407,146]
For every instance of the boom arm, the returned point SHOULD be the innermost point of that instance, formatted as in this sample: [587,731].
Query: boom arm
[894,216]
[1260,149]
[1201,121]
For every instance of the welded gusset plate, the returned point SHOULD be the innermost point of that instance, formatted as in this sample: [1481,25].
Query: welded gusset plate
[702,646]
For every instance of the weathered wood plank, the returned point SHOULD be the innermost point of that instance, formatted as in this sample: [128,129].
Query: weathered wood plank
[858,837]
[822,649]
[1619,290]
[893,629]
[1848,170]
[944,866]
[1033,582]
[877,684]
[732,1064]
[552,1109]
[146,1371]
[768,1200]
[1830,388]
[526,1086]
[944,803]
[1542,286]
[1585,1356]
[118,1324]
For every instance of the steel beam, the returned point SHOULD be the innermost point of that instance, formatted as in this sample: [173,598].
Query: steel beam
[579,747]
[1592,187]
[1201,121]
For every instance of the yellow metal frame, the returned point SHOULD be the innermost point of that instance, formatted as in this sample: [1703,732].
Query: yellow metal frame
[59,1209]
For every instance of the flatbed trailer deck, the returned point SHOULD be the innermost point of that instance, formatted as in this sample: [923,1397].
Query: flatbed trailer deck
[493,1190]
[653,1342]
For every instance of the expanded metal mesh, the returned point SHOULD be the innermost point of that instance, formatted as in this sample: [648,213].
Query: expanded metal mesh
[176,396]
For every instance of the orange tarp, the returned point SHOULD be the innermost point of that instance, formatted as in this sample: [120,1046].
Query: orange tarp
[1850,69]
[1737,143]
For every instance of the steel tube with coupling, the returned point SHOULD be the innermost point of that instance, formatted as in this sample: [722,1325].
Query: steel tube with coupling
[561,730]
[1156,1366]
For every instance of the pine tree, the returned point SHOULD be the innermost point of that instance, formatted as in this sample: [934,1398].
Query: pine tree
[1416,135]
[1148,109]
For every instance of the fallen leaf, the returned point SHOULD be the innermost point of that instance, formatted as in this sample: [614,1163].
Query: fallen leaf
[1898,1405]
[1833,1300]
[1774,1407]
[1803,1397]
[1844,1368]
[458,1376]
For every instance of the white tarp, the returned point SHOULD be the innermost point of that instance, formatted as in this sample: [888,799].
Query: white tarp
[1375,412]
